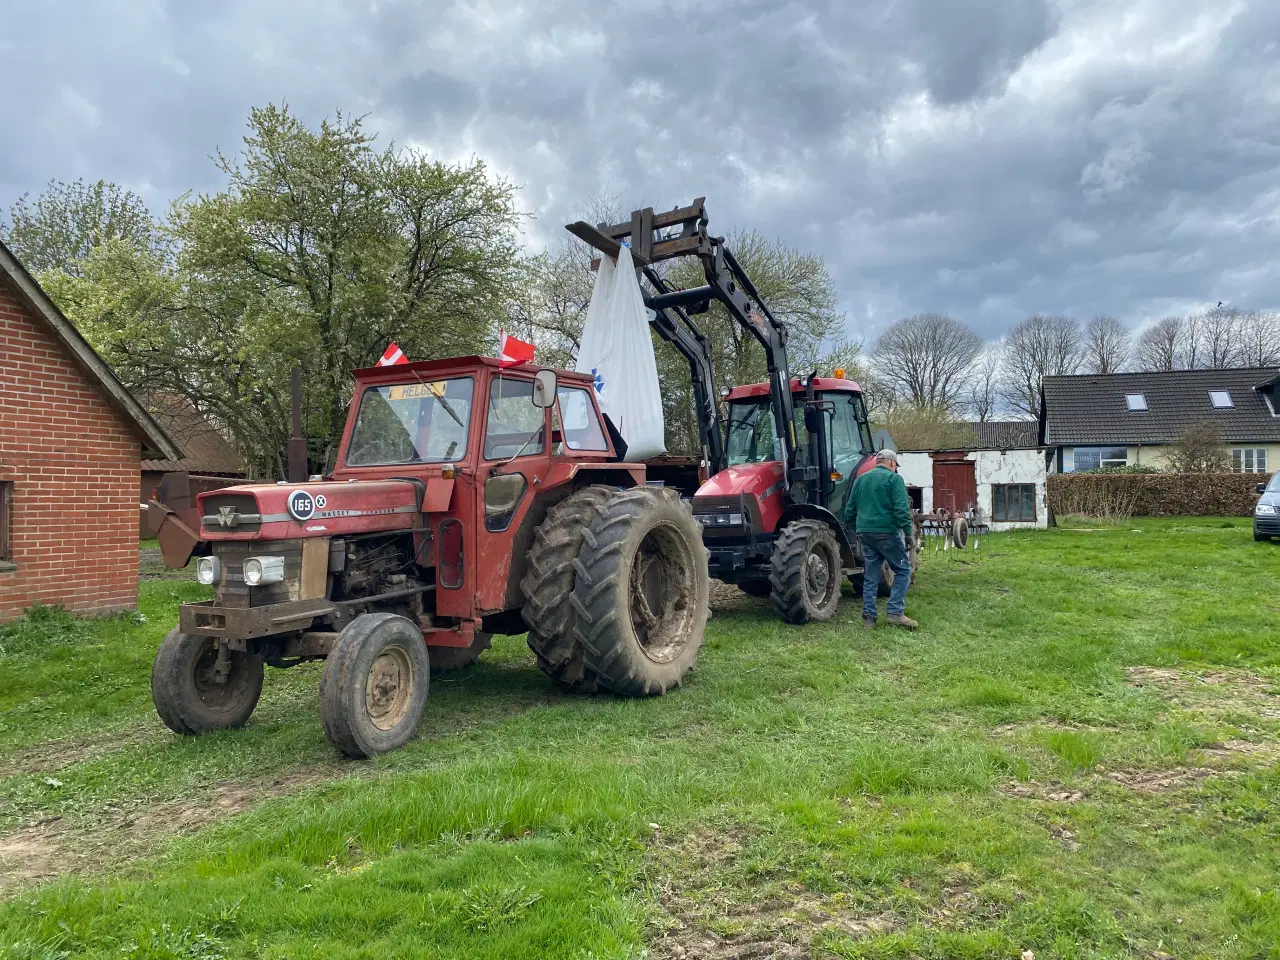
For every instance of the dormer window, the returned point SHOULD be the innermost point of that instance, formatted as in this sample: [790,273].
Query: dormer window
[1221,399]
[1135,401]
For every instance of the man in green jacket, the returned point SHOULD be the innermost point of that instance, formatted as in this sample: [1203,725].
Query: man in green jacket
[883,524]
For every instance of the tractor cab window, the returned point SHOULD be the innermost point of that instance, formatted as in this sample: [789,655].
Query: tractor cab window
[516,427]
[581,426]
[421,422]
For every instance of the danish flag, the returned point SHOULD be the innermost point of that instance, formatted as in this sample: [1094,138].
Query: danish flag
[513,352]
[392,356]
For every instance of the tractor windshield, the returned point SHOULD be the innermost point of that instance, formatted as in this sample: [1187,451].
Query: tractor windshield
[751,432]
[421,422]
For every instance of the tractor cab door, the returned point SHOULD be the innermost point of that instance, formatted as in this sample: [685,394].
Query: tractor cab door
[515,458]
[850,437]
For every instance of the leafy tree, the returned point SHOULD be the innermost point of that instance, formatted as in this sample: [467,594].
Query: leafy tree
[925,428]
[70,220]
[928,358]
[320,251]
[1200,449]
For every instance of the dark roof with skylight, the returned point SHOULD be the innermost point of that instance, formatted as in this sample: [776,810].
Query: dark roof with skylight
[1098,408]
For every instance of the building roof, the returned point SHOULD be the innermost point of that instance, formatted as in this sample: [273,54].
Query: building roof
[155,442]
[1093,408]
[1005,435]
[206,450]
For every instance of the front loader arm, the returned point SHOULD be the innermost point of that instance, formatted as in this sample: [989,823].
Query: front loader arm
[653,238]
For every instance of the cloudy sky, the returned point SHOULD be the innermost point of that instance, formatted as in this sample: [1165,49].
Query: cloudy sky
[984,158]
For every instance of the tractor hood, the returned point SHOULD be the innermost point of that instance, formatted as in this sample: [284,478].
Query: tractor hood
[287,510]
[759,479]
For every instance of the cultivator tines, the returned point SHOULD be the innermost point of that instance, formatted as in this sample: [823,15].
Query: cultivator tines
[950,529]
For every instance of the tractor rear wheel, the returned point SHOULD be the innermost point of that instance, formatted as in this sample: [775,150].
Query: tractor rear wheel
[375,684]
[448,659]
[548,589]
[641,592]
[805,572]
[856,580]
[194,693]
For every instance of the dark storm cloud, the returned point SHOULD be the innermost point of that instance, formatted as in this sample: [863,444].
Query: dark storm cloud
[989,158]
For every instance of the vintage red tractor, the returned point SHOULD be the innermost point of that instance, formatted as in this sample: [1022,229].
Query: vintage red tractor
[467,500]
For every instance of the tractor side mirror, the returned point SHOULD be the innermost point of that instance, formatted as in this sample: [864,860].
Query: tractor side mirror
[544,388]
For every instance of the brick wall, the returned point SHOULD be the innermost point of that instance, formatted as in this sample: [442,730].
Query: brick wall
[74,466]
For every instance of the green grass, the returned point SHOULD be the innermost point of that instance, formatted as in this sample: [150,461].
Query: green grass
[972,790]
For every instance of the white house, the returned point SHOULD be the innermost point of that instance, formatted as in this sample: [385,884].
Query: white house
[1003,474]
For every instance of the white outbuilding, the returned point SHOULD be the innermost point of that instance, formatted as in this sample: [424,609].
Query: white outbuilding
[1002,474]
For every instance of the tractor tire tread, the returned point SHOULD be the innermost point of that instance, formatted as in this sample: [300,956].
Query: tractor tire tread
[787,571]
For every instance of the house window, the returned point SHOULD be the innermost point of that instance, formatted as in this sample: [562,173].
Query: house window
[1013,502]
[1092,458]
[1249,460]
[1135,401]
[6,525]
[1221,399]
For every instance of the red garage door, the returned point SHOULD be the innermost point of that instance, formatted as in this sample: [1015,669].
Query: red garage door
[954,486]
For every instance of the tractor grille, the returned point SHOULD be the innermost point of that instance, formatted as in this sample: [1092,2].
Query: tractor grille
[232,591]
[233,512]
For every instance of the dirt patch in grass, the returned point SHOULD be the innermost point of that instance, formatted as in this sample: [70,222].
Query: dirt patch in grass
[1215,691]
[711,906]
[52,848]
[58,754]
[1048,792]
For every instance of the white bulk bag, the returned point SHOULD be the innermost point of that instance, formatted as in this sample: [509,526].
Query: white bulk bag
[618,352]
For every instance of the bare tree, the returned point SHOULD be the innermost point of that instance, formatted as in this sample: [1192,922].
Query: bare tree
[927,358]
[1259,340]
[1191,347]
[1160,345]
[1106,346]
[984,382]
[1040,346]
[1218,332]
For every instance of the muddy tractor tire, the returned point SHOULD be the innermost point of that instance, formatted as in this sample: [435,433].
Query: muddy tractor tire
[641,592]
[805,572]
[548,589]
[193,695]
[375,685]
[448,659]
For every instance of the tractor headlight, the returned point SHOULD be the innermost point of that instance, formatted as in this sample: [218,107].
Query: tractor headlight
[719,519]
[1264,510]
[208,570]
[259,570]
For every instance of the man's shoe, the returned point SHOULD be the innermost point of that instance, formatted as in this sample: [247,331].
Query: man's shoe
[898,620]
[868,623]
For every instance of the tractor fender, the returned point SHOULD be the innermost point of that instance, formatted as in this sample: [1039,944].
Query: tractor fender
[811,511]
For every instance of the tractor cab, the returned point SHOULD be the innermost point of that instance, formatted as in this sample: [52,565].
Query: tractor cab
[743,507]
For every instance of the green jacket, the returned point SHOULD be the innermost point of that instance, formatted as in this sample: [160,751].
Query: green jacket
[880,503]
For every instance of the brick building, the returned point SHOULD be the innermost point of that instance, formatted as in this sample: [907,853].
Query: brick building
[71,445]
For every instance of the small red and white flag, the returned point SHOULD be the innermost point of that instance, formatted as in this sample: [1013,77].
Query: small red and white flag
[513,352]
[392,356]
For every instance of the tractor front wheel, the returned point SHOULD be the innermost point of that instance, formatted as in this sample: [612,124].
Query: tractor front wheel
[641,592]
[197,687]
[375,683]
[805,572]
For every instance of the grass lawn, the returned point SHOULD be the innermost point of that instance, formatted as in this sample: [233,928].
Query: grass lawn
[1078,755]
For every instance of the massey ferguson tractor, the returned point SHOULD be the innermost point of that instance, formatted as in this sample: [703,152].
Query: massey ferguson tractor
[467,500]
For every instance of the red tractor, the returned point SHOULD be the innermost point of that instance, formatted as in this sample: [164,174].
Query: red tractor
[468,500]
[774,510]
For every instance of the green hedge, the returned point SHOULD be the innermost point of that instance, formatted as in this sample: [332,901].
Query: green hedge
[1154,494]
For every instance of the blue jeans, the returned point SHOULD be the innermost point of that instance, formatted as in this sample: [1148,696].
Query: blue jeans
[878,549]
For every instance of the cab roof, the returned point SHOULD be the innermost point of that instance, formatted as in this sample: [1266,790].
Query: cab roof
[819,383]
[459,366]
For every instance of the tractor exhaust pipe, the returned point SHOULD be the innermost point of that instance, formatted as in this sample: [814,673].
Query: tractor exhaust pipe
[297,470]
